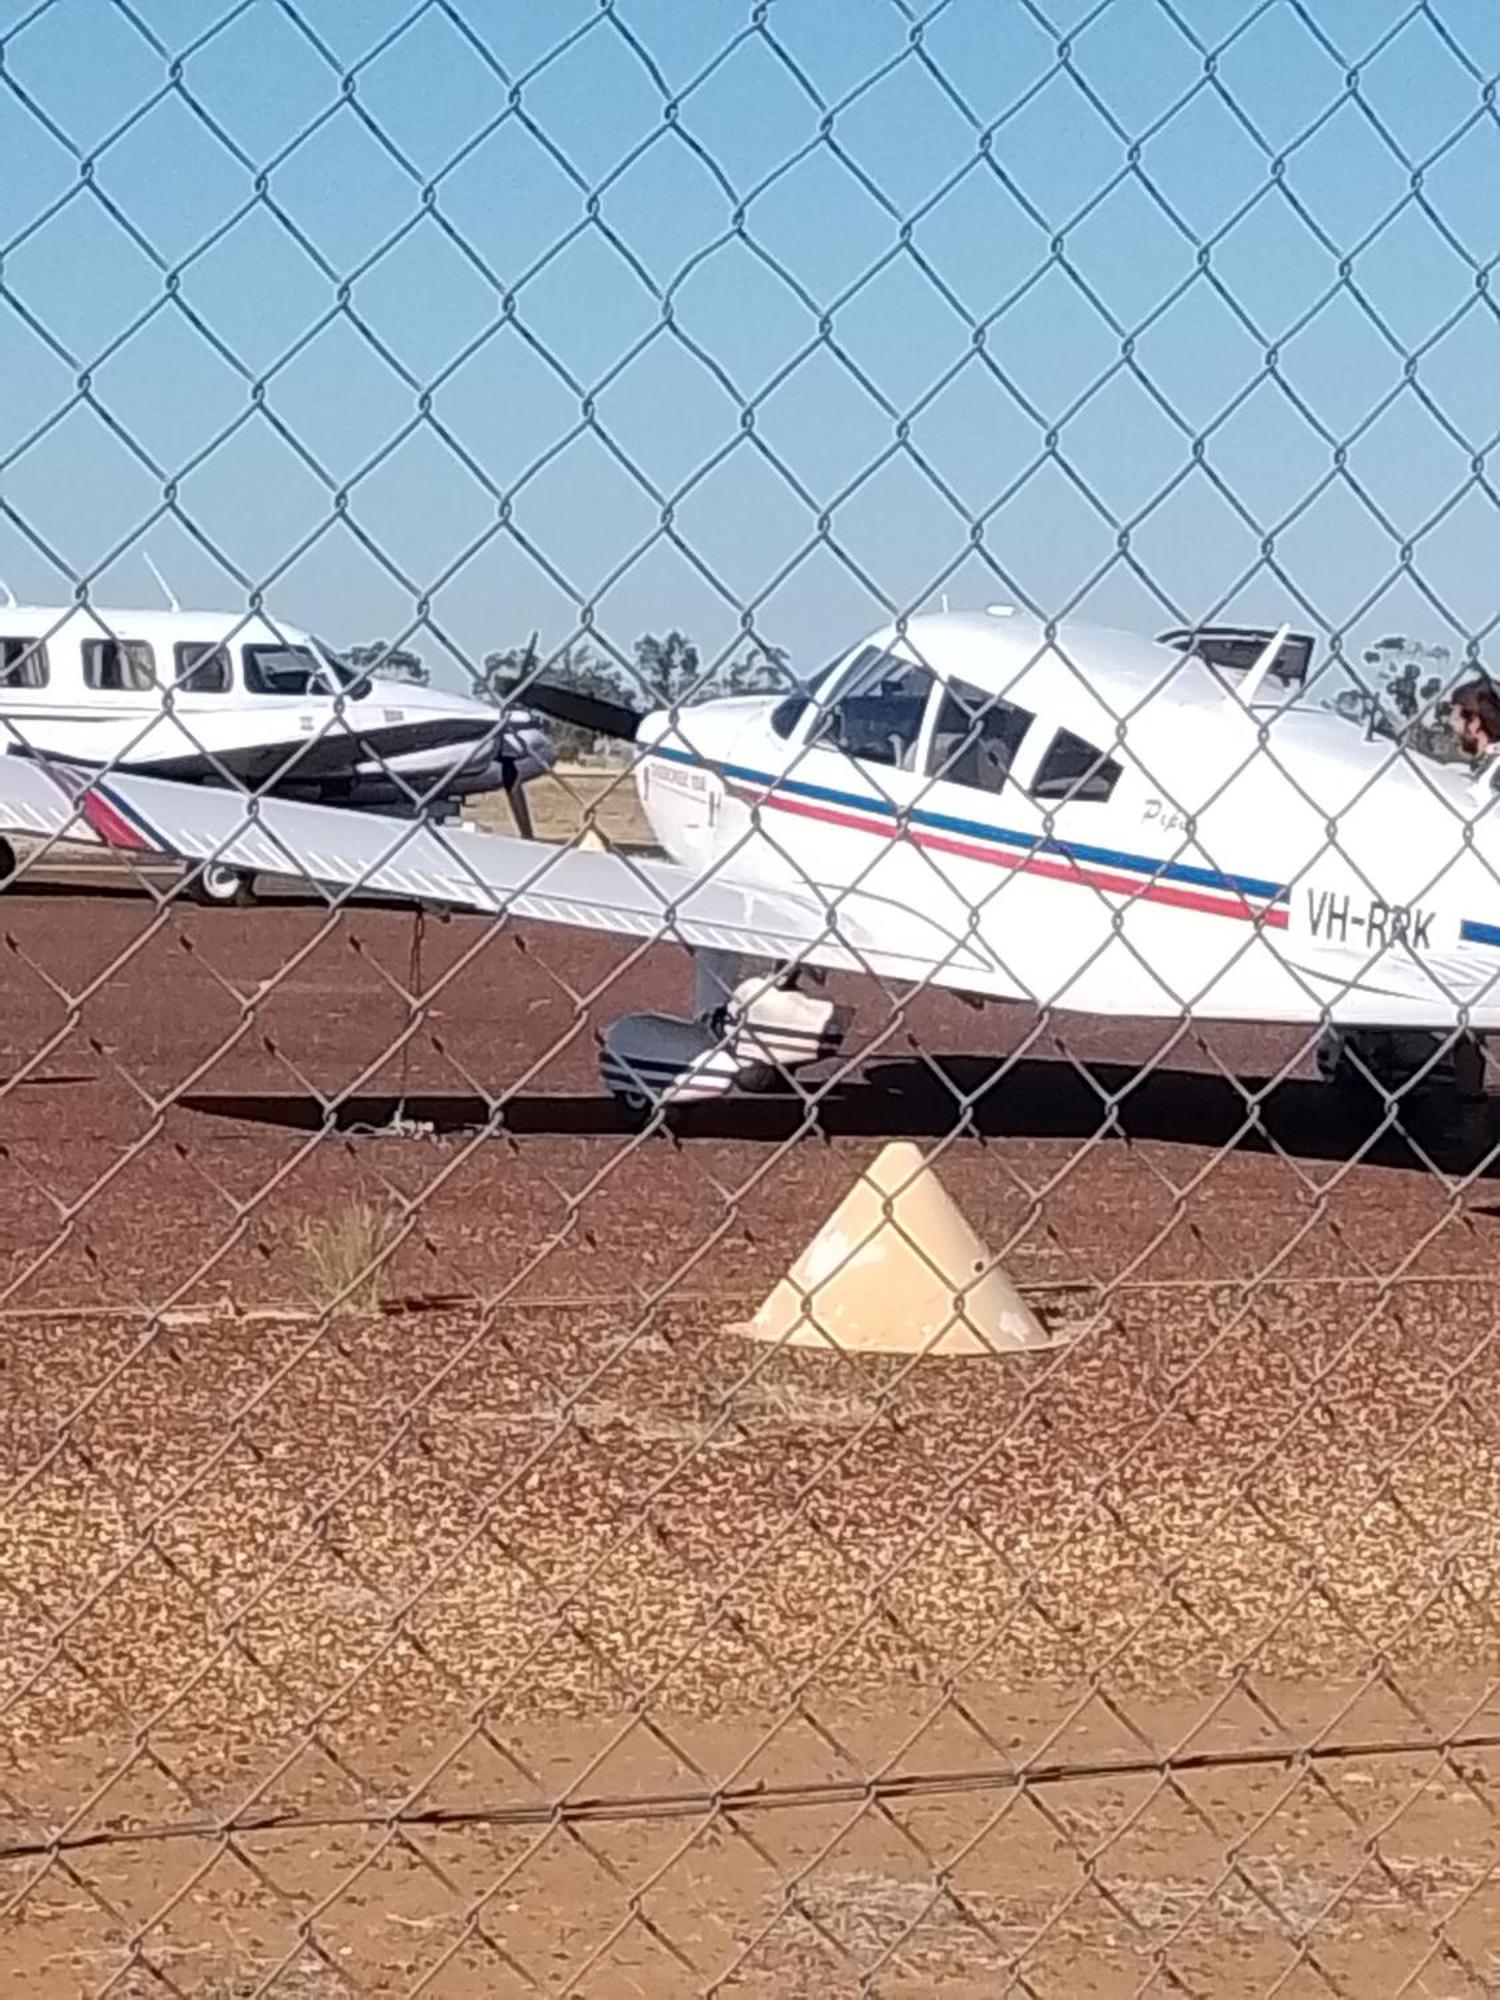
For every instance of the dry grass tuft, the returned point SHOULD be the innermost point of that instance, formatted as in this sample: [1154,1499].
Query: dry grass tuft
[793,1405]
[340,1253]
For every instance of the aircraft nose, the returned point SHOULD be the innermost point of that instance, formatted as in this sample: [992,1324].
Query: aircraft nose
[696,727]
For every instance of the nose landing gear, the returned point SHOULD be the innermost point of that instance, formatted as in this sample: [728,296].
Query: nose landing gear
[763,1028]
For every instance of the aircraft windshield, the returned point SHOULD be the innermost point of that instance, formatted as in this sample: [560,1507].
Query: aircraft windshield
[294,670]
[789,712]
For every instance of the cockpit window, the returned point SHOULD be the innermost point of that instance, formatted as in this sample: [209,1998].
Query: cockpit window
[877,714]
[977,737]
[1075,771]
[294,670]
[788,713]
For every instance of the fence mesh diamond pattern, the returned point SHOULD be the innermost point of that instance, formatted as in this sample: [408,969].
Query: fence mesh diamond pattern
[719,1275]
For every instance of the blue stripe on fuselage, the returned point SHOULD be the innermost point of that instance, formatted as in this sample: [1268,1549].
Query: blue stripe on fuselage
[1072,850]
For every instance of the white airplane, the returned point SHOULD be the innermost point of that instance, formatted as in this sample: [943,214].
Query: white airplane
[1092,822]
[215,698]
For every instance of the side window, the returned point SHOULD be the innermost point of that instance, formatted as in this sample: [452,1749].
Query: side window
[23,663]
[202,669]
[1075,770]
[118,665]
[977,737]
[878,715]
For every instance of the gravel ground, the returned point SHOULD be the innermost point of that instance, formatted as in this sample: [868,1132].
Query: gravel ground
[544,1503]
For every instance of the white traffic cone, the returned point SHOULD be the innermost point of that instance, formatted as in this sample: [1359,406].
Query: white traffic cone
[916,1280]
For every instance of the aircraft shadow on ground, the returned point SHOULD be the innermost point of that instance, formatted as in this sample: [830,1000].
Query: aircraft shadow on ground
[1029,1099]
[127,891]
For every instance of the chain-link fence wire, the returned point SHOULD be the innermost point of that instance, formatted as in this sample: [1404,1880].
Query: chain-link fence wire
[547,1635]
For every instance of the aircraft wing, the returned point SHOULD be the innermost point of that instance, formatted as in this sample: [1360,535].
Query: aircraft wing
[32,802]
[496,874]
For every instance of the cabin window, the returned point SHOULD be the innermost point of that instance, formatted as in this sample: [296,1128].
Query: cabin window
[201,668]
[1075,771]
[118,666]
[23,663]
[878,715]
[977,737]
[294,670]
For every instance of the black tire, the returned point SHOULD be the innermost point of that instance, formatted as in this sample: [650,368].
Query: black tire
[8,864]
[1376,1061]
[218,887]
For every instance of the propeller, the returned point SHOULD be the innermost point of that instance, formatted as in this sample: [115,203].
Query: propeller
[593,712]
[531,699]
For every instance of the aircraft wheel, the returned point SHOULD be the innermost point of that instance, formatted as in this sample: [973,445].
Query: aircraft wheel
[7,864]
[1382,1060]
[220,887]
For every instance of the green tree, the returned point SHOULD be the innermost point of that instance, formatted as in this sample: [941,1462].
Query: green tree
[384,662]
[763,670]
[667,670]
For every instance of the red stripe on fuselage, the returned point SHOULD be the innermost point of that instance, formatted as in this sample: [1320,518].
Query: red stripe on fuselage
[110,823]
[1061,868]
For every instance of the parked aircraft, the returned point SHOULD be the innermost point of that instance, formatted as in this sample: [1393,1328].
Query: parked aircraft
[214,698]
[1088,821]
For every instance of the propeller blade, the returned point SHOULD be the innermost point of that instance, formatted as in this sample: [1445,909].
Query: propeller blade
[585,711]
[520,807]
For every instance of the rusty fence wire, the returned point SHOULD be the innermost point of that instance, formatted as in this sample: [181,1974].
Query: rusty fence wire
[739,1351]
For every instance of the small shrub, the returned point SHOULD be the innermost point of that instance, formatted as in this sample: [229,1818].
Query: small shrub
[339,1251]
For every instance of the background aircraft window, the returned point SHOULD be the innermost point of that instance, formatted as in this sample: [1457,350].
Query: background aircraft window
[293,670]
[202,669]
[118,666]
[1073,769]
[878,716]
[977,737]
[23,663]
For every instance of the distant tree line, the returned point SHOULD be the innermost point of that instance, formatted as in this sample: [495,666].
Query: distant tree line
[385,662]
[664,668]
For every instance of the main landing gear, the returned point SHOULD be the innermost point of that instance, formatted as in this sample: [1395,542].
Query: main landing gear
[222,888]
[744,1034]
[1405,1060]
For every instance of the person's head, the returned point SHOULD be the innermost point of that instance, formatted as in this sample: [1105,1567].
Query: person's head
[1474,713]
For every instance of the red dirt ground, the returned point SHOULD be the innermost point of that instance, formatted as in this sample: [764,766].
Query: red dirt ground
[543,1526]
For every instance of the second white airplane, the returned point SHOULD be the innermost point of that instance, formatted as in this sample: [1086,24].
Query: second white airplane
[217,698]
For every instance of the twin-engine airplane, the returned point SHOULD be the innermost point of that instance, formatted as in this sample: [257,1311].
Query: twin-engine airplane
[1089,821]
[211,698]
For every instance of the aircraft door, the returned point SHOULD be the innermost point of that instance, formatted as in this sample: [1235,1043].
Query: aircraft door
[979,827]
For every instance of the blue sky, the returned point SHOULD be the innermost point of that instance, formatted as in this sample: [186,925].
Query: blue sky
[693,313]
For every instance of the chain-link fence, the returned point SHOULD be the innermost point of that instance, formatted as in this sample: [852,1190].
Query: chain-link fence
[748,929]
